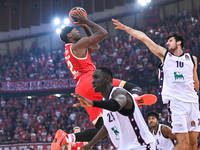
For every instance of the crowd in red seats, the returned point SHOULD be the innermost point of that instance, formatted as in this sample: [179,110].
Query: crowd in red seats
[38,118]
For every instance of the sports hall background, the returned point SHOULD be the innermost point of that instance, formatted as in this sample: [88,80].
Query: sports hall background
[35,82]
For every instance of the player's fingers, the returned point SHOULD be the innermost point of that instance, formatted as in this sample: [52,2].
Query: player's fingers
[114,20]
[76,105]
[72,94]
[77,12]
[73,15]
[75,95]
[80,12]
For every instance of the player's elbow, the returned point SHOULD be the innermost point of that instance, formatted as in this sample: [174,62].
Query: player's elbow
[104,33]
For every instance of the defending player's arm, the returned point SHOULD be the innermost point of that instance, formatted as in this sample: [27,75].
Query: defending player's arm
[117,102]
[110,104]
[99,33]
[100,135]
[95,47]
[153,47]
[167,132]
[70,145]
[195,76]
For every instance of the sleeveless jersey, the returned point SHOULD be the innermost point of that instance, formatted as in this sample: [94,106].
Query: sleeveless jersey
[78,66]
[127,132]
[82,70]
[162,143]
[77,145]
[178,80]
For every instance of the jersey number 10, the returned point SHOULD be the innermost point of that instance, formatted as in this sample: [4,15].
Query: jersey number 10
[179,64]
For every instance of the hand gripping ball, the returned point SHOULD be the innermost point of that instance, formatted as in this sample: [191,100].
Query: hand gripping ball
[72,11]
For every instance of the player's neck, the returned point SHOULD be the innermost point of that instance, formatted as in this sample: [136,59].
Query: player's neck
[178,52]
[155,129]
[106,91]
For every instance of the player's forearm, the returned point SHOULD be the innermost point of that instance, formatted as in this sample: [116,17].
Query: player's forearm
[196,86]
[195,76]
[87,30]
[111,104]
[96,28]
[100,135]
[135,33]
[153,47]
[69,146]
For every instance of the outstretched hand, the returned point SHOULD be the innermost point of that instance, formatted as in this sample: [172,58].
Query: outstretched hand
[83,101]
[118,24]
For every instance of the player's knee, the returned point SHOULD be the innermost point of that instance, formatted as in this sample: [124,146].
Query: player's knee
[193,144]
[184,145]
[132,88]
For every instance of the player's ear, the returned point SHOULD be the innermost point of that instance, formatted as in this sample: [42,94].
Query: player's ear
[108,79]
[179,43]
[69,35]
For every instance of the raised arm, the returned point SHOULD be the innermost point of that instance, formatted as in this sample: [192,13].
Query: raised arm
[153,47]
[195,76]
[119,99]
[95,47]
[70,145]
[86,42]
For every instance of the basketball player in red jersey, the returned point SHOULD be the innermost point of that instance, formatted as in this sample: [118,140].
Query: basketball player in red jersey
[76,145]
[81,66]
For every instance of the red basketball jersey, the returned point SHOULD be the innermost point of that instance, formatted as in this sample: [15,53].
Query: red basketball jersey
[82,70]
[78,66]
[77,145]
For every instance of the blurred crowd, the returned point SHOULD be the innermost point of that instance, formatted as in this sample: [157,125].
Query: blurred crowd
[38,118]
[128,57]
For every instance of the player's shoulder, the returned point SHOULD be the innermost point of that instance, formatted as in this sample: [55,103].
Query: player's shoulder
[194,57]
[165,128]
[119,90]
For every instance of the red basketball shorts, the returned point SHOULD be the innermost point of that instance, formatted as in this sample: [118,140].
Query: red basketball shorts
[84,88]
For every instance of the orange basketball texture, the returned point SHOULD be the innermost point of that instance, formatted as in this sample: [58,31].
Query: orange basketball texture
[72,11]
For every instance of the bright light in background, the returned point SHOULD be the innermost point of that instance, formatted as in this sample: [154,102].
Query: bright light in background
[58,30]
[59,26]
[57,21]
[62,26]
[29,97]
[66,21]
[57,95]
[144,2]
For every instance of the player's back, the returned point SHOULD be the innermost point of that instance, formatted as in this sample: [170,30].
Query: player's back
[78,66]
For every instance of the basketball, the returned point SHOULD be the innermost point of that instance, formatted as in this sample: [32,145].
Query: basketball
[72,11]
